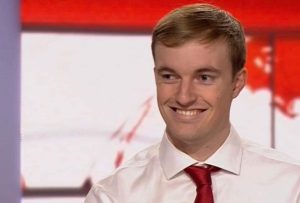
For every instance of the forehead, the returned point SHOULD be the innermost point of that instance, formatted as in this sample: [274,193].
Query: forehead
[193,55]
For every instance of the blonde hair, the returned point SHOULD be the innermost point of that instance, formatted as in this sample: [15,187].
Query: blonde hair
[205,23]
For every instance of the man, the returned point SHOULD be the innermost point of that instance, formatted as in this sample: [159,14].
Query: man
[199,56]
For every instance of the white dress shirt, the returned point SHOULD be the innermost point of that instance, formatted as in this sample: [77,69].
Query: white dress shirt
[249,174]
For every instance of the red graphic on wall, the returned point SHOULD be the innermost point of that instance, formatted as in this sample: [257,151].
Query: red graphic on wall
[272,64]
[126,138]
[136,15]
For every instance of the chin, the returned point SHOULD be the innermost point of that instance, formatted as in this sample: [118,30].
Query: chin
[183,135]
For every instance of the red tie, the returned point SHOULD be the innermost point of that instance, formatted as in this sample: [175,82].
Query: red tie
[201,177]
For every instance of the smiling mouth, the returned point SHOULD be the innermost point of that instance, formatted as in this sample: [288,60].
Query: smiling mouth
[192,112]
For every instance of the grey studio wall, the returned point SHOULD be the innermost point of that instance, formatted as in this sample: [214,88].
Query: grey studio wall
[9,101]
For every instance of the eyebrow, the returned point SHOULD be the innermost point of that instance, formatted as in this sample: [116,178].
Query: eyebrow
[209,69]
[205,69]
[163,68]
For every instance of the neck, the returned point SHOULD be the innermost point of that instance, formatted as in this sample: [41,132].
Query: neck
[203,148]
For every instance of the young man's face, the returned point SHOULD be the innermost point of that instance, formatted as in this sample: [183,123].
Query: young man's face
[195,88]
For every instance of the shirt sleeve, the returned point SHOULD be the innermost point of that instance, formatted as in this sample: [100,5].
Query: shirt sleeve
[98,195]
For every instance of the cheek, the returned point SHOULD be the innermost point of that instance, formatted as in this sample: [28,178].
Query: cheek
[162,95]
[164,92]
[224,98]
[212,94]
[218,96]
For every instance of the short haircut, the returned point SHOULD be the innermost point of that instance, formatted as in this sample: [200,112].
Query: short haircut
[205,23]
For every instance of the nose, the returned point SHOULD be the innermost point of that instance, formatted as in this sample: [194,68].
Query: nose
[185,95]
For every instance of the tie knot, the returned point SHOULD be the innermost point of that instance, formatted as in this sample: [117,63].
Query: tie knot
[200,175]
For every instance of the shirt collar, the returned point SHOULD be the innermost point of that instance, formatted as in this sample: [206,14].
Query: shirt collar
[228,156]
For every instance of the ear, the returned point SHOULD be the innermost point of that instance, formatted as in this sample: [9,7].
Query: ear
[239,81]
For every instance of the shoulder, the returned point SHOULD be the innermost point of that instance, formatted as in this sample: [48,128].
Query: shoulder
[265,166]
[131,170]
[265,157]
[142,158]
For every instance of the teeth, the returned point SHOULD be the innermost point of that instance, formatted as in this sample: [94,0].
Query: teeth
[187,113]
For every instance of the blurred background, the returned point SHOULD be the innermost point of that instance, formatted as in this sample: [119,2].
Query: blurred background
[88,92]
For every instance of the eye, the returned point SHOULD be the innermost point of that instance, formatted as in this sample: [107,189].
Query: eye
[168,76]
[206,78]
